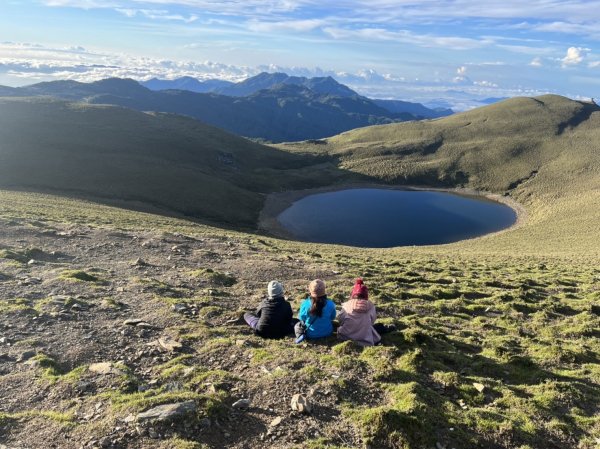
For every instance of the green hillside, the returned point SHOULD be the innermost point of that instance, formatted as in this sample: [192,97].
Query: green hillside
[542,152]
[497,342]
[171,162]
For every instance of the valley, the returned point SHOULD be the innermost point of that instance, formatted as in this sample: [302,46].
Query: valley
[107,313]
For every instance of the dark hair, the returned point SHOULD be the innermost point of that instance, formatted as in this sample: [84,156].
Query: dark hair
[317,305]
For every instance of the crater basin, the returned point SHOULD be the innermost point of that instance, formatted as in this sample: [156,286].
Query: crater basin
[380,218]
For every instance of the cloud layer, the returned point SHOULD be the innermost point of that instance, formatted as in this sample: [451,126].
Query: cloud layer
[406,49]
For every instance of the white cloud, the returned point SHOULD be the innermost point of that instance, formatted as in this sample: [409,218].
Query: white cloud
[485,84]
[582,29]
[230,7]
[536,62]
[461,71]
[289,25]
[405,36]
[160,14]
[575,56]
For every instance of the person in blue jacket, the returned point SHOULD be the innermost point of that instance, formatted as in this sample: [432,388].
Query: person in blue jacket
[317,312]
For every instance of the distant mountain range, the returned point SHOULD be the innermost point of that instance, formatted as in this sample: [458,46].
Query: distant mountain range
[273,107]
[321,85]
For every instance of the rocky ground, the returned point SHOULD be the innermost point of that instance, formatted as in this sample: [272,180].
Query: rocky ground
[130,339]
[97,326]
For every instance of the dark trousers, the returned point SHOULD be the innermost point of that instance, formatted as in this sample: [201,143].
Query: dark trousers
[252,320]
[381,328]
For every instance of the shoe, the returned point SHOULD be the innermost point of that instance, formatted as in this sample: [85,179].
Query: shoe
[300,339]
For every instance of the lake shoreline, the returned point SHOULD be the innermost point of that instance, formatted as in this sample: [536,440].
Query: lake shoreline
[276,203]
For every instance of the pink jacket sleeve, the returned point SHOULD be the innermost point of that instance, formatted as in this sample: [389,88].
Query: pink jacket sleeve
[373,314]
[342,316]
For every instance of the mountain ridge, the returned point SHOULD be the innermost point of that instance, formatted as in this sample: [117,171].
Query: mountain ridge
[301,114]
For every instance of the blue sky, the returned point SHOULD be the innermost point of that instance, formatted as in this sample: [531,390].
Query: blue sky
[421,50]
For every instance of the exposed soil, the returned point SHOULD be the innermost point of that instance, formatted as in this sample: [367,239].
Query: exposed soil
[155,278]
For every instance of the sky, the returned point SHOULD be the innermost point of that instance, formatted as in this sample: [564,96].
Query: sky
[455,52]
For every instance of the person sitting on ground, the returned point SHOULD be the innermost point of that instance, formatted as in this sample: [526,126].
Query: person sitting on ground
[316,313]
[273,317]
[357,318]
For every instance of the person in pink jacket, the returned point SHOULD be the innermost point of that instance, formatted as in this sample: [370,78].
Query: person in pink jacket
[357,318]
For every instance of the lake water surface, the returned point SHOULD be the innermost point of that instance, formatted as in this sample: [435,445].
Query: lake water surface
[380,218]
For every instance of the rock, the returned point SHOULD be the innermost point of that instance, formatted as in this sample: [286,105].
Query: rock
[167,412]
[139,262]
[479,387]
[241,343]
[132,322]
[301,404]
[242,403]
[129,419]
[83,387]
[205,423]
[4,341]
[276,421]
[105,368]
[144,325]
[439,445]
[169,343]
[179,308]
[31,262]
[26,355]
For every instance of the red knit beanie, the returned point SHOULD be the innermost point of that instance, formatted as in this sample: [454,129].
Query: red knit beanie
[360,290]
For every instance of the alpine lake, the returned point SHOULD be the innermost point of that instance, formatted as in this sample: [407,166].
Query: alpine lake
[381,218]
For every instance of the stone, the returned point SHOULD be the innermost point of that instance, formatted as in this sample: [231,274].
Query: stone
[170,344]
[179,308]
[26,355]
[276,421]
[105,368]
[242,403]
[301,404]
[479,387]
[139,262]
[167,412]
[31,262]
[144,325]
[205,423]
[132,322]
[439,445]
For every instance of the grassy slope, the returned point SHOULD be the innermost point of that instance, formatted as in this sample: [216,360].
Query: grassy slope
[498,149]
[524,327]
[169,161]
[542,152]
[517,312]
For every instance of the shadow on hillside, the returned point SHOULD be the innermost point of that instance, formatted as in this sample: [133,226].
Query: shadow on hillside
[586,111]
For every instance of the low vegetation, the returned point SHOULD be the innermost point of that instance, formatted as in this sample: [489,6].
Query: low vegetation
[497,342]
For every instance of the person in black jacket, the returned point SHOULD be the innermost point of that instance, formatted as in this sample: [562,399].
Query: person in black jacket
[273,317]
